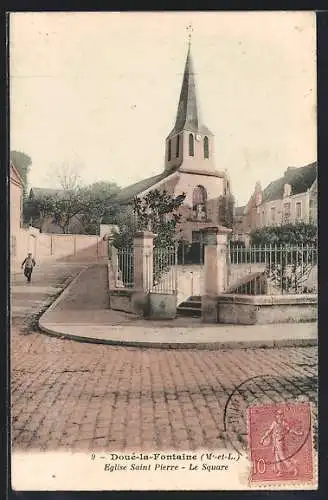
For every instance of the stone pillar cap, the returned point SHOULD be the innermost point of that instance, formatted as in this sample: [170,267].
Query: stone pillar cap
[216,229]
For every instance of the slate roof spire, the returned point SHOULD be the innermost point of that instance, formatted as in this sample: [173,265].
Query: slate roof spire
[188,115]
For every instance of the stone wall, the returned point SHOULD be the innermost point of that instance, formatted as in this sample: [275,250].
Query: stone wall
[128,300]
[267,309]
[45,246]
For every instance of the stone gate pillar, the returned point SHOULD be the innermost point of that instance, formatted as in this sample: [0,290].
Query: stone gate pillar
[143,246]
[215,270]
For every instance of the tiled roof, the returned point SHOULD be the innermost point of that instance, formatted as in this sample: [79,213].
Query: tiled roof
[38,193]
[127,194]
[300,180]
[15,174]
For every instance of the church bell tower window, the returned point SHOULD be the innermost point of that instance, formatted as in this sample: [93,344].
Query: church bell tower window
[206,148]
[178,147]
[191,145]
[169,145]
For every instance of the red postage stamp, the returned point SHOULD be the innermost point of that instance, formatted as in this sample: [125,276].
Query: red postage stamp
[280,442]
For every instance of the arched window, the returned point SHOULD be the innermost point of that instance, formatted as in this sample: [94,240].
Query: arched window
[169,150]
[199,198]
[206,148]
[191,145]
[177,152]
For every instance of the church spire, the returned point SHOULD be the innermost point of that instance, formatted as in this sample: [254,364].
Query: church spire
[188,114]
[190,143]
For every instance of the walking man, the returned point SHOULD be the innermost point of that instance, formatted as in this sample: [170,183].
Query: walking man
[28,264]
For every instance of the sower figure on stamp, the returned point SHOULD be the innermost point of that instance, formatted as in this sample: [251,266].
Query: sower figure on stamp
[276,435]
[28,264]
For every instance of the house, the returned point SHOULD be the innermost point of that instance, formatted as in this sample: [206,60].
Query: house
[16,198]
[288,200]
[37,193]
[16,201]
[22,240]
[189,167]
[240,233]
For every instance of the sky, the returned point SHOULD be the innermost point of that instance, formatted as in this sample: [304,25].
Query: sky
[98,92]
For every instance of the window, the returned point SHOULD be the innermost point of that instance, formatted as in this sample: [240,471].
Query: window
[273,214]
[199,198]
[191,145]
[286,211]
[206,148]
[169,152]
[177,151]
[298,210]
[195,237]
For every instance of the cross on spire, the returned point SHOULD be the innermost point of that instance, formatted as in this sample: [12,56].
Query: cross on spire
[189,30]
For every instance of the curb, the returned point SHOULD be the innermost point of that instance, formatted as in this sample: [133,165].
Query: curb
[242,344]
[251,344]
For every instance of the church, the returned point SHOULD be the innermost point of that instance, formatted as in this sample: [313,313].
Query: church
[189,167]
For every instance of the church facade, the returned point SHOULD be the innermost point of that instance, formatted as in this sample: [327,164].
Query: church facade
[189,167]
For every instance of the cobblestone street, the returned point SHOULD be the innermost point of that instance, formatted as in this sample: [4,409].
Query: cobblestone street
[83,396]
[67,394]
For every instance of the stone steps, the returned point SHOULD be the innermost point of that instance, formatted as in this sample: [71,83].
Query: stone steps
[191,307]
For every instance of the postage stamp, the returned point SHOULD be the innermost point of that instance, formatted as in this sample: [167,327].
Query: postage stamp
[280,442]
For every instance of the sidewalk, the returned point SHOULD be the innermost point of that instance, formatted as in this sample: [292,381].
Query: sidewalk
[81,312]
[48,280]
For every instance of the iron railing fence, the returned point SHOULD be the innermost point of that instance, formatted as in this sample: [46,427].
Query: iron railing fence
[282,269]
[122,262]
[160,273]
[287,269]
[165,270]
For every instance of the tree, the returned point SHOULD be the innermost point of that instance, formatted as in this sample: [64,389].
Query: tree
[36,209]
[64,208]
[97,199]
[89,204]
[128,226]
[290,254]
[65,176]
[157,211]
[75,203]
[23,164]
[61,208]
[286,234]
[291,269]
[66,203]
[103,191]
